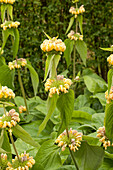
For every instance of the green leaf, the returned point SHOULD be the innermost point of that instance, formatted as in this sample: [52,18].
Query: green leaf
[92,139]
[7,103]
[67,53]
[48,65]
[107,49]
[6,76]
[109,120]
[48,156]
[101,97]
[2,61]
[2,150]
[65,105]
[110,75]
[70,24]
[80,20]
[98,120]
[47,36]
[10,11]
[107,164]
[16,42]
[89,157]
[19,132]
[1,138]
[34,78]
[54,65]
[81,117]
[67,167]
[82,50]
[3,10]
[5,35]
[51,107]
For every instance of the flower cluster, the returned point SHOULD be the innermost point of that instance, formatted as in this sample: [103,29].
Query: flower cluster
[76,11]
[58,85]
[3,161]
[7,1]
[10,119]
[74,36]
[53,44]
[6,93]
[102,135]
[21,62]
[110,97]
[24,163]
[110,59]
[72,141]
[22,109]
[10,24]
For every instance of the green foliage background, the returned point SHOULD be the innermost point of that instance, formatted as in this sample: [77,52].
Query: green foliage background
[53,16]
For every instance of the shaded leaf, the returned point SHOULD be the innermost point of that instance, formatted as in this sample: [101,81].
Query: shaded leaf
[109,76]
[34,78]
[54,65]
[98,120]
[16,42]
[80,20]
[70,24]
[101,97]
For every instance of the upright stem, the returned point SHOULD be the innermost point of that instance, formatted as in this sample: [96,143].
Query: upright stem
[22,89]
[74,56]
[12,141]
[4,109]
[73,158]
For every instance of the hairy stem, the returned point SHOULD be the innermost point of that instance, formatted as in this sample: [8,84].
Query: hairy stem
[12,141]
[71,152]
[4,109]
[22,89]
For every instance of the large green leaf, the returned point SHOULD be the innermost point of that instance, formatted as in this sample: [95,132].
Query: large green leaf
[81,117]
[48,156]
[67,53]
[80,20]
[2,61]
[9,9]
[51,107]
[65,105]
[2,150]
[67,167]
[98,120]
[101,97]
[109,120]
[89,157]
[82,50]
[107,164]
[19,132]
[70,24]
[92,139]
[97,84]
[34,78]
[110,75]
[6,76]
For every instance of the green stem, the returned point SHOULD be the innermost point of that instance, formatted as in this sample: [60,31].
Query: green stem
[71,153]
[4,109]
[74,56]
[12,141]
[22,89]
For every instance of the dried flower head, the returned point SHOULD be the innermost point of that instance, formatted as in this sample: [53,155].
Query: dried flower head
[22,109]
[10,119]
[21,62]
[10,24]
[24,163]
[110,96]
[102,135]
[58,85]
[53,44]
[73,141]
[7,1]
[110,59]
[6,93]
[75,36]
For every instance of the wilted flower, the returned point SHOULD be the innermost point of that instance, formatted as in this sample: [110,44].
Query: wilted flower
[21,62]
[7,1]
[110,97]
[6,93]
[102,135]
[10,119]
[75,36]
[73,141]
[58,85]
[10,24]
[3,161]
[53,44]
[22,109]
[110,59]
[24,163]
